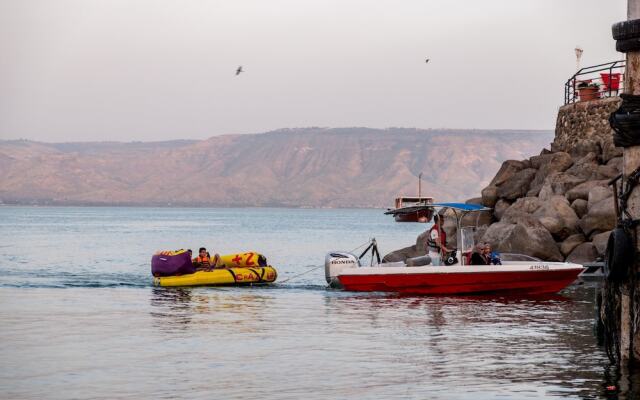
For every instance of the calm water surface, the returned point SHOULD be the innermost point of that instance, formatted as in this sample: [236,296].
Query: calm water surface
[80,318]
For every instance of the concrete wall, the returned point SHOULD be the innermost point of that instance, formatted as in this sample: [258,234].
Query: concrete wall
[584,126]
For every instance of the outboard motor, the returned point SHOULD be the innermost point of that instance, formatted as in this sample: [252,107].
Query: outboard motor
[335,262]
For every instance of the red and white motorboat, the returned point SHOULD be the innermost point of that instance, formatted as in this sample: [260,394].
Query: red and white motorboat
[518,274]
[517,277]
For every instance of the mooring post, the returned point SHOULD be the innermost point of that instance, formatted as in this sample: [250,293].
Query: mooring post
[629,338]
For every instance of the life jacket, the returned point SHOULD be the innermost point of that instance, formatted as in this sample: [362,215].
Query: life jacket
[431,238]
[202,261]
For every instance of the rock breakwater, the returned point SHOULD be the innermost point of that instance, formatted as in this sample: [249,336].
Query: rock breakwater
[556,205]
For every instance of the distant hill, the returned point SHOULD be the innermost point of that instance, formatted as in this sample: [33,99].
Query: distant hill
[311,167]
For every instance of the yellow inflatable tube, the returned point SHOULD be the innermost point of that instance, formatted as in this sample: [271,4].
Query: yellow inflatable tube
[248,259]
[221,276]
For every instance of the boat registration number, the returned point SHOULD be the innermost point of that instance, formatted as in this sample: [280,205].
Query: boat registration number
[539,267]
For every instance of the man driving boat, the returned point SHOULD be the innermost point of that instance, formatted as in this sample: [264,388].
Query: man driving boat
[437,241]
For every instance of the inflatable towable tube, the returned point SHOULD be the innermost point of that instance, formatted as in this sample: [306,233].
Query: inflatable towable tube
[249,259]
[221,276]
[175,268]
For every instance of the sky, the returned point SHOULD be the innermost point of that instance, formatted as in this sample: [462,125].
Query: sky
[148,70]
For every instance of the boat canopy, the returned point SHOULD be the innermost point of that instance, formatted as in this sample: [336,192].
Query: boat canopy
[461,206]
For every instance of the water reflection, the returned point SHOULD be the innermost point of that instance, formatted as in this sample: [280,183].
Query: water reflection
[171,307]
[509,341]
[234,309]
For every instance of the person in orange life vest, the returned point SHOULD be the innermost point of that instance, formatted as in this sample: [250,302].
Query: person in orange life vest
[437,241]
[204,261]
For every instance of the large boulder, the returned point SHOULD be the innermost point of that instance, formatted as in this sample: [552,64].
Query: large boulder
[523,238]
[477,219]
[522,218]
[402,254]
[558,217]
[489,196]
[555,226]
[526,205]
[581,191]
[606,172]
[583,253]
[516,186]
[586,167]
[616,163]
[597,194]
[580,206]
[500,207]
[506,171]
[600,217]
[585,146]
[474,200]
[450,227]
[609,151]
[421,242]
[571,243]
[545,165]
[600,242]
[560,159]
[558,183]
[479,233]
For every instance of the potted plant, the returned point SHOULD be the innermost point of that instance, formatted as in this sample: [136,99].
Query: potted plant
[588,90]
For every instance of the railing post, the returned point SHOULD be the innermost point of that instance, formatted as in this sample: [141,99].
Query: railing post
[610,79]
[571,89]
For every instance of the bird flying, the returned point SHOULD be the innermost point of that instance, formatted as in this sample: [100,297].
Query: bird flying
[427,61]
[239,70]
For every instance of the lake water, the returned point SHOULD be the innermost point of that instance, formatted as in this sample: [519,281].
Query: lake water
[80,318]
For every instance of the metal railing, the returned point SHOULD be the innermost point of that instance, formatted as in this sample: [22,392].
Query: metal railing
[595,82]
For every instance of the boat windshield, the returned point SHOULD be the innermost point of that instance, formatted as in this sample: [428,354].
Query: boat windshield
[466,239]
[517,257]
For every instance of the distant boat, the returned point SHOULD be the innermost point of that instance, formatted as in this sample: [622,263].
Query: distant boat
[411,208]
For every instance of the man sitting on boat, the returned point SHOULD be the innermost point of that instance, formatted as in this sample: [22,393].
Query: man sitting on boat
[204,262]
[437,241]
[479,256]
[484,256]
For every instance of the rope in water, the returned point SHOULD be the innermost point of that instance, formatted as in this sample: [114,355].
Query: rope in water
[303,273]
[315,267]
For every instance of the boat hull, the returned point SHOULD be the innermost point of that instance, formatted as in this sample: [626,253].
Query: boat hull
[520,279]
[418,216]
[221,277]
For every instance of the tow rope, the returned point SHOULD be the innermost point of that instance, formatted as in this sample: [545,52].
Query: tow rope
[303,273]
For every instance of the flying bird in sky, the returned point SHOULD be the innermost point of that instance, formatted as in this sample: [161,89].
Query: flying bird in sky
[427,61]
[239,70]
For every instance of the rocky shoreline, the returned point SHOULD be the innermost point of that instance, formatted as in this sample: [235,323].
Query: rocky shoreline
[556,206]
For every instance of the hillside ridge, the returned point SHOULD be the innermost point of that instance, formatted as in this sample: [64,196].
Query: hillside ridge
[295,167]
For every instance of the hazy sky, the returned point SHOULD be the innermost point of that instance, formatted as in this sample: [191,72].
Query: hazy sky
[79,70]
